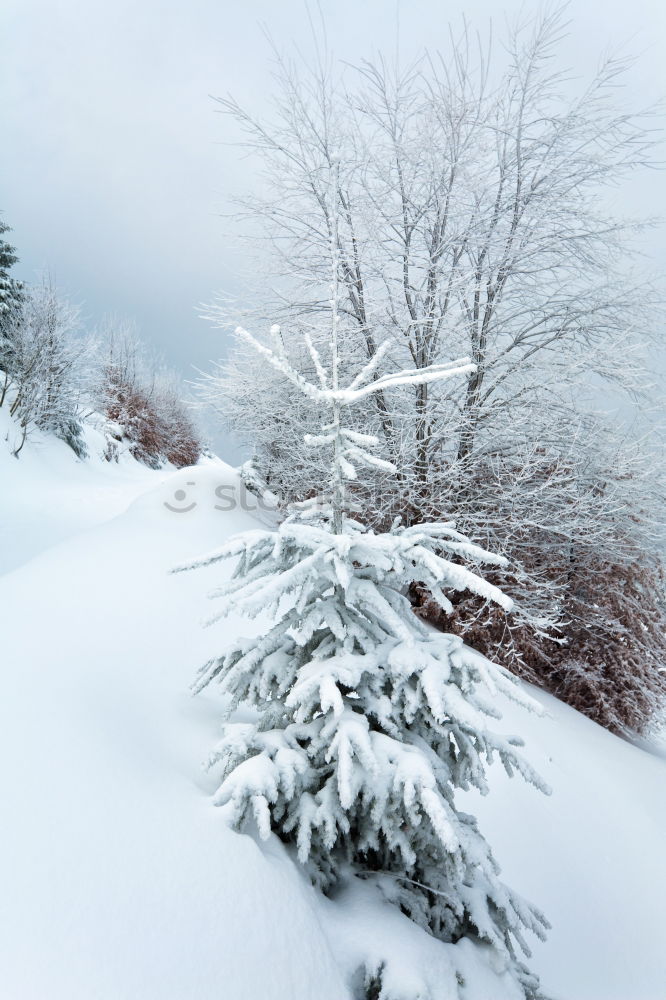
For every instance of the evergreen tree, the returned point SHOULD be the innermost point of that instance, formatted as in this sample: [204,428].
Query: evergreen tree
[11,299]
[10,289]
[367,720]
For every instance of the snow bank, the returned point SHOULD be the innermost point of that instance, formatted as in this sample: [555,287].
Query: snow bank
[120,881]
[591,855]
[48,494]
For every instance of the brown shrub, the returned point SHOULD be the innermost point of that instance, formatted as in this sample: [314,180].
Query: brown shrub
[607,657]
[152,420]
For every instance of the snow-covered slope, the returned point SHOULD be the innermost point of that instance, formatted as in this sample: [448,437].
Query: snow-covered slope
[592,855]
[119,882]
[118,879]
[48,494]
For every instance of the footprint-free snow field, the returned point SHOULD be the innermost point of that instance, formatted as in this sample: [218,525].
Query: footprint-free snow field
[118,878]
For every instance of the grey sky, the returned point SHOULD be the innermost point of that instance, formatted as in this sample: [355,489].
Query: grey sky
[114,166]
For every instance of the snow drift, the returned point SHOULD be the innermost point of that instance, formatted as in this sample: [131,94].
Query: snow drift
[119,879]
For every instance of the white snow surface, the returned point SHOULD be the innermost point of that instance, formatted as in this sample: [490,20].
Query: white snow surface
[118,878]
[47,494]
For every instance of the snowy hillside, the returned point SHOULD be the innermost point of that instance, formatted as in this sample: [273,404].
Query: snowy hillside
[119,880]
[49,494]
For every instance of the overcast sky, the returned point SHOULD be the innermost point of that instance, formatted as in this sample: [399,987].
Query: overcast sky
[115,167]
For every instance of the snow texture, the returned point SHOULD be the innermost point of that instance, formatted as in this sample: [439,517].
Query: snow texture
[120,882]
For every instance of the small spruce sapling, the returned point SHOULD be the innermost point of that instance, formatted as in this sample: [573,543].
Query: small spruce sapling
[367,720]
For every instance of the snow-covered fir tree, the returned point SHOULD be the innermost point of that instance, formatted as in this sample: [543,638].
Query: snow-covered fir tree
[10,288]
[367,720]
[11,299]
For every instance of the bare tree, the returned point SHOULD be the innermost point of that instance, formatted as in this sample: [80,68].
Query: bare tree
[471,219]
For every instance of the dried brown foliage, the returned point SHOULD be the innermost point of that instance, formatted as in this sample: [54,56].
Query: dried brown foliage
[607,657]
[153,421]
